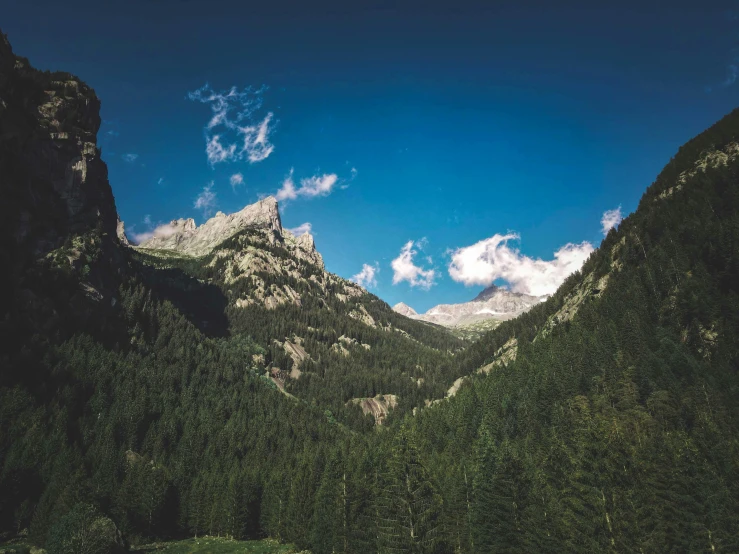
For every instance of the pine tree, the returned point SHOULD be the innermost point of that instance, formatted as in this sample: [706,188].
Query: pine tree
[410,518]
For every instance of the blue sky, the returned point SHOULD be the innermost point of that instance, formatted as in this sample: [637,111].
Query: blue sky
[491,137]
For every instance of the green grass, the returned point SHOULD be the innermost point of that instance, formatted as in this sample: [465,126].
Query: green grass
[474,331]
[17,545]
[215,545]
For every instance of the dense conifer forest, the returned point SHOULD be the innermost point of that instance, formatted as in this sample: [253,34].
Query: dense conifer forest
[606,420]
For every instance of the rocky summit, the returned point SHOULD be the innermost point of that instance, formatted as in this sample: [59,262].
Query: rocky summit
[404,309]
[493,303]
[183,236]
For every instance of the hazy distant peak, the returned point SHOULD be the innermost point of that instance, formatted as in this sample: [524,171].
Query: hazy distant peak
[404,309]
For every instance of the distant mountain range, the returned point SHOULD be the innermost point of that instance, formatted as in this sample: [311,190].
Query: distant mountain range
[493,303]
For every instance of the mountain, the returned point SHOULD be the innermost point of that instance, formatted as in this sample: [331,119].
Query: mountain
[493,303]
[404,309]
[230,335]
[604,419]
[217,380]
[183,236]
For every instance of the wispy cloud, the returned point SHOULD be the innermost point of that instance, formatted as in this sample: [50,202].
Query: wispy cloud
[610,219]
[206,200]
[233,133]
[160,231]
[490,259]
[130,157]
[405,270]
[367,277]
[236,180]
[160,181]
[732,72]
[301,229]
[318,185]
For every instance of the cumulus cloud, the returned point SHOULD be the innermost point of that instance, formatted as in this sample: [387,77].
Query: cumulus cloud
[405,270]
[610,219]
[130,157]
[492,258]
[233,133]
[206,200]
[367,277]
[318,185]
[236,180]
[301,229]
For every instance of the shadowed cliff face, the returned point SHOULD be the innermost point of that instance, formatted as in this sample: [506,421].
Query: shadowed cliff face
[53,183]
[61,258]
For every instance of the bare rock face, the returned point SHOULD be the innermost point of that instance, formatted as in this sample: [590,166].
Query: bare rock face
[379,406]
[120,231]
[303,247]
[54,184]
[184,236]
[404,309]
[492,303]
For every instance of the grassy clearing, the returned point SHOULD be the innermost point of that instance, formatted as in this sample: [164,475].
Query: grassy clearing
[215,545]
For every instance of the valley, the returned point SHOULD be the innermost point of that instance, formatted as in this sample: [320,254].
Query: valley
[216,381]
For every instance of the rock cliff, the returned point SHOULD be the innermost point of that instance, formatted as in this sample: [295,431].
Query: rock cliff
[182,235]
[54,184]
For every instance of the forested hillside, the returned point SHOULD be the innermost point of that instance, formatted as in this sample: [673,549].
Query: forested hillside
[139,399]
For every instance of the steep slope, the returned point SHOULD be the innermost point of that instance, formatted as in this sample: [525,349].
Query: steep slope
[607,416]
[58,244]
[327,339]
[133,384]
[493,303]
[143,386]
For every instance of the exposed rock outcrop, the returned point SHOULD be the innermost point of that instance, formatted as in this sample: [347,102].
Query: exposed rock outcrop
[494,303]
[404,309]
[379,406]
[184,236]
[54,184]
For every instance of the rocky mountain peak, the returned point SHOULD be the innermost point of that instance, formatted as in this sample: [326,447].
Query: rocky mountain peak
[404,309]
[486,293]
[494,303]
[184,236]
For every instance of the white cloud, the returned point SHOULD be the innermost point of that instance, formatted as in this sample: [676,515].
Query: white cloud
[318,185]
[236,180]
[610,219]
[287,190]
[492,258]
[160,181]
[161,231]
[301,229]
[239,136]
[405,270]
[206,200]
[367,277]
[130,157]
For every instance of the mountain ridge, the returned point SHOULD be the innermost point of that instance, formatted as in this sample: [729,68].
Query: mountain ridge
[493,303]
